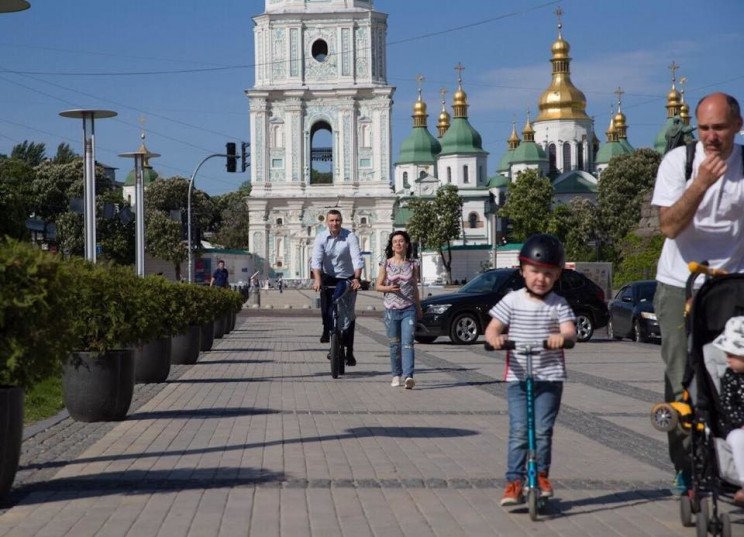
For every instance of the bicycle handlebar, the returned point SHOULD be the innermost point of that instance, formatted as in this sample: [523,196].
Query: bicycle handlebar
[510,345]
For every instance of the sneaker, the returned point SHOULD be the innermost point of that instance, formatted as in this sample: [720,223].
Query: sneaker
[350,360]
[396,381]
[546,489]
[410,383]
[513,493]
[681,484]
[325,337]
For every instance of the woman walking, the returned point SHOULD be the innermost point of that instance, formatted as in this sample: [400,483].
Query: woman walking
[397,279]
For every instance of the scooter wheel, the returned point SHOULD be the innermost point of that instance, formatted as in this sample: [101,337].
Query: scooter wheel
[532,503]
[685,511]
[663,417]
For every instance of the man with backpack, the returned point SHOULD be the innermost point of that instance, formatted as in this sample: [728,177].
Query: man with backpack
[700,195]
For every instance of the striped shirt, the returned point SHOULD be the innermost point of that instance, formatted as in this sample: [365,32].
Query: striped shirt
[402,275]
[530,320]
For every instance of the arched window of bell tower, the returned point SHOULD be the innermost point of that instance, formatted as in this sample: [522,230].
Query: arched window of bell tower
[566,156]
[551,159]
[321,154]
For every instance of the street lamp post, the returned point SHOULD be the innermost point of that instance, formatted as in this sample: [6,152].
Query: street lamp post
[139,203]
[10,6]
[89,172]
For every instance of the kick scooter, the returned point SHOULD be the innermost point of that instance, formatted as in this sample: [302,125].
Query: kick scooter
[535,502]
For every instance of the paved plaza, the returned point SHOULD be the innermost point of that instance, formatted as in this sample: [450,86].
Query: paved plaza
[257,439]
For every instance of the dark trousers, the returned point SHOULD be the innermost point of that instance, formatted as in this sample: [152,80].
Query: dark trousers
[326,309]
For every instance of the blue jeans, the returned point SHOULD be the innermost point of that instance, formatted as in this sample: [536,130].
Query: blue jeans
[547,402]
[401,325]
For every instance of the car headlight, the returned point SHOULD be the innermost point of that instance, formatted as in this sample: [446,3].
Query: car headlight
[438,309]
[648,315]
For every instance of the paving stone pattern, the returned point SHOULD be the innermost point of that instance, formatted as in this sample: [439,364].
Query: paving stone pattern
[257,439]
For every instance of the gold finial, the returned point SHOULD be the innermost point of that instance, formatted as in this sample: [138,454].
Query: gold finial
[559,13]
[682,82]
[420,78]
[459,68]
[142,128]
[674,68]
[619,92]
[443,92]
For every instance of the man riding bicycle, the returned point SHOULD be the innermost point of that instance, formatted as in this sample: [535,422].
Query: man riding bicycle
[336,256]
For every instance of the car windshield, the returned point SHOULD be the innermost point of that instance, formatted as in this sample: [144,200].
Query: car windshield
[487,281]
[646,292]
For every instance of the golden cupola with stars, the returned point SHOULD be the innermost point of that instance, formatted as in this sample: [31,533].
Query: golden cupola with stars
[562,100]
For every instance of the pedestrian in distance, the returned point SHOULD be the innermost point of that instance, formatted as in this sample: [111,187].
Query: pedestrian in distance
[336,258]
[397,278]
[219,278]
[533,313]
[701,219]
[280,284]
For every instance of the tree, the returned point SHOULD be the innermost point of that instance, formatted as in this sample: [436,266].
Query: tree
[231,229]
[436,223]
[528,204]
[29,152]
[65,154]
[576,226]
[621,190]
[15,198]
[163,235]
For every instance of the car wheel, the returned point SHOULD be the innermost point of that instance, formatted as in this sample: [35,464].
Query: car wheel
[611,331]
[584,327]
[425,339]
[464,329]
[638,334]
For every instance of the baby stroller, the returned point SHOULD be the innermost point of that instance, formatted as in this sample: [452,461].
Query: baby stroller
[718,299]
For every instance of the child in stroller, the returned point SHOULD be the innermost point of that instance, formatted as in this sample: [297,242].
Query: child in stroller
[731,341]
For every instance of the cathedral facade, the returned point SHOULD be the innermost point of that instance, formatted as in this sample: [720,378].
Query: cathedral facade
[320,130]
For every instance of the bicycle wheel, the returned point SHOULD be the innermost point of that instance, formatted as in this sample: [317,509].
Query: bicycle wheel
[336,354]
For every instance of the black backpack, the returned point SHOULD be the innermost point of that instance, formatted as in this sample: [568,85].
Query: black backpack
[690,147]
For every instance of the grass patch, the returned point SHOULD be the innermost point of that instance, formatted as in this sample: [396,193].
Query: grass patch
[44,400]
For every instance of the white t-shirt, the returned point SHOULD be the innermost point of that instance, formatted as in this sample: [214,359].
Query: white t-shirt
[716,233]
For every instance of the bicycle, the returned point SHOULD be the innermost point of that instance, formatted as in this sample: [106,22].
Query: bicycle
[336,351]
[535,502]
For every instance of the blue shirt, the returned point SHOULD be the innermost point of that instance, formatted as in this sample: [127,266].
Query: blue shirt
[220,277]
[337,256]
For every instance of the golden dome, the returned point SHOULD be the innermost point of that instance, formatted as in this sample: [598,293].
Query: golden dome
[419,108]
[444,118]
[528,133]
[673,97]
[619,119]
[513,141]
[562,100]
[460,98]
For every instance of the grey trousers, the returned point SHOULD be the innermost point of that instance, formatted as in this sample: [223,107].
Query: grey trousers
[669,304]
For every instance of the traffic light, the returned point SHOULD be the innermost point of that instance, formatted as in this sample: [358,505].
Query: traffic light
[232,157]
[244,154]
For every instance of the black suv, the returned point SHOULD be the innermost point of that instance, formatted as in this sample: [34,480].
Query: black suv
[463,315]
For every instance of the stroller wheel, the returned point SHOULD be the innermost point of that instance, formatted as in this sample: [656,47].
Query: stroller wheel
[701,527]
[663,417]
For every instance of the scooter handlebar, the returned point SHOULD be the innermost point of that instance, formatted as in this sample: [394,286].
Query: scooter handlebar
[510,345]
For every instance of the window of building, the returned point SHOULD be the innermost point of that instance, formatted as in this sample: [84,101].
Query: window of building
[405,180]
[449,174]
[552,167]
[580,157]
[279,221]
[319,50]
[363,220]
[566,157]
[465,178]
[473,220]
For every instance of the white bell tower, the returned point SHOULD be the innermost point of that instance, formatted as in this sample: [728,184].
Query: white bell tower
[320,113]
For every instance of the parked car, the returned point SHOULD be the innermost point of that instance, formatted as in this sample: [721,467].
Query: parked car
[463,315]
[632,312]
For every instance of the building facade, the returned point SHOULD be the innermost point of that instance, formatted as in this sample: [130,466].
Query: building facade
[320,126]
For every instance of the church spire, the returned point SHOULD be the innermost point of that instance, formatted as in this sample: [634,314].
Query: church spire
[444,118]
[419,108]
[673,97]
[460,100]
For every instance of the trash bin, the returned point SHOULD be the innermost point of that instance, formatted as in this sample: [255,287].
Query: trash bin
[254,296]
[316,302]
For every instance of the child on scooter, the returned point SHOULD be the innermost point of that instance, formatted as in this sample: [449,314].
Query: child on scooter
[731,341]
[533,313]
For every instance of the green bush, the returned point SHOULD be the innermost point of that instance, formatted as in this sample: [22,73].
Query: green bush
[640,255]
[108,312]
[35,307]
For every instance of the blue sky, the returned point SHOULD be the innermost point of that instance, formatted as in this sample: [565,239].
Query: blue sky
[59,55]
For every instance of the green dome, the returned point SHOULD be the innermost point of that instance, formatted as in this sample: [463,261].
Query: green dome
[148,176]
[529,152]
[461,138]
[506,160]
[419,148]
[498,181]
[575,182]
[624,142]
[610,149]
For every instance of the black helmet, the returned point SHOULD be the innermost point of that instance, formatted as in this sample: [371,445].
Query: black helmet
[543,250]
